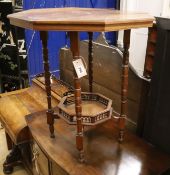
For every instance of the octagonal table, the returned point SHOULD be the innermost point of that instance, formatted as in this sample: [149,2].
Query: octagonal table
[75,20]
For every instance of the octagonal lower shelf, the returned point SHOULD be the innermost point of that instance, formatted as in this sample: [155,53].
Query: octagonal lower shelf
[96,108]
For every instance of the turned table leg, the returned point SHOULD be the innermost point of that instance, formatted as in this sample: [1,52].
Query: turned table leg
[90,61]
[74,39]
[47,74]
[124,86]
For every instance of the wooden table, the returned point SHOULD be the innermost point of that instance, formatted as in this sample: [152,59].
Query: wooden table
[74,20]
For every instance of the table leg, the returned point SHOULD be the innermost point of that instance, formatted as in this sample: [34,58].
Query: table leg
[74,39]
[90,61]
[47,74]
[124,86]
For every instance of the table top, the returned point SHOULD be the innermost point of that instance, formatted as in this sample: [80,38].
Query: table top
[80,19]
[103,154]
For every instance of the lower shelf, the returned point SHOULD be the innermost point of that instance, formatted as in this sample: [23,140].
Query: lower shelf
[96,108]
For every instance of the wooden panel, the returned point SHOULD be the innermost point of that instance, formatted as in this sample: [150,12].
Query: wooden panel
[18,111]
[13,92]
[80,19]
[150,52]
[40,161]
[56,170]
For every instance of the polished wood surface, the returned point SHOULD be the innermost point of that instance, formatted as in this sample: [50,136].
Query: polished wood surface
[103,154]
[14,106]
[24,102]
[13,92]
[80,19]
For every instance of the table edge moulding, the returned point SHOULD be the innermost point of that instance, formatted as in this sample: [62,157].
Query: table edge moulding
[74,20]
[80,19]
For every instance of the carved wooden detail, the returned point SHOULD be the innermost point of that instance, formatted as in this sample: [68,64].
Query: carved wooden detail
[13,159]
[124,88]
[47,74]
[90,61]
[74,41]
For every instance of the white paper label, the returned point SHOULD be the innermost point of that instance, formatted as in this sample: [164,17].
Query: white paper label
[79,68]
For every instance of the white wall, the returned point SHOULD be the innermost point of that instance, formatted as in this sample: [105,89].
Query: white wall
[139,36]
[166,8]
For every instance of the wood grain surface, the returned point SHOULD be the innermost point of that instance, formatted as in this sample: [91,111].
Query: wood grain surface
[80,19]
[103,154]
[15,105]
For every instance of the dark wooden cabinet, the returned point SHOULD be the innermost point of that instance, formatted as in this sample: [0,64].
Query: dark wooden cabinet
[150,52]
[147,75]
[156,128]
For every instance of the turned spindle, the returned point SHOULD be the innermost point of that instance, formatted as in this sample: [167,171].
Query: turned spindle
[90,57]
[124,85]
[74,41]
[47,75]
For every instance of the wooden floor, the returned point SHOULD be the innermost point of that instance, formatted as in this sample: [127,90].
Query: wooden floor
[103,154]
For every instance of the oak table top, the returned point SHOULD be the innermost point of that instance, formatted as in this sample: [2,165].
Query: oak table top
[80,19]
